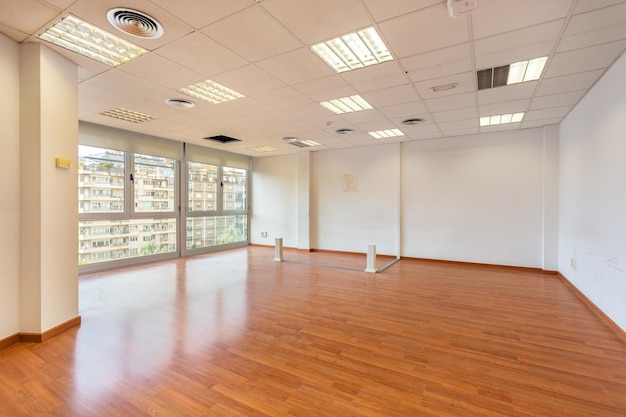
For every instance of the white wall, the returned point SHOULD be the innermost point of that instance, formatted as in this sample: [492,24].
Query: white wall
[274,200]
[9,187]
[354,199]
[592,215]
[474,198]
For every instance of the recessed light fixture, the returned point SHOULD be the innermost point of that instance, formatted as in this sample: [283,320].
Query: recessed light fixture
[444,87]
[135,23]
[85,39]
[500,119]
[211,91]
[346,104]
[128,115]
[262,149]
[413,121]
[389,133]
[344,131]
[304,143]
[517,72]
[180,102]
[354,50]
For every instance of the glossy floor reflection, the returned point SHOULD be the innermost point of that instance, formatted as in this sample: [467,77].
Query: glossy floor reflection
[236,334]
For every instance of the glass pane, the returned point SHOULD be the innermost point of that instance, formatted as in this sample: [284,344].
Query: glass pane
[107,240]
[202,186]
[234,195]
[154,184]
[216,230]
[100,180]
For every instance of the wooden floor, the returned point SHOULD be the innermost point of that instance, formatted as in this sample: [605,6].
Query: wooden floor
[236,334]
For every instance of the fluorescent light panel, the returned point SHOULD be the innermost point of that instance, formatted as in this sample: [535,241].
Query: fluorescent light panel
[523,71]
[262,149]
[346,104]
[352,51]
[87,40]
[389,133]
[128,115]
[211,91]
[500,119]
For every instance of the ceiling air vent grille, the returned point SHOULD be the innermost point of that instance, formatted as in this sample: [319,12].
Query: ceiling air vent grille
[135,23]
[222,139]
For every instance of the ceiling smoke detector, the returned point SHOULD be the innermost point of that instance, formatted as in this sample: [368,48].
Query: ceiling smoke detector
[180,102]
[135,23]
[457,8]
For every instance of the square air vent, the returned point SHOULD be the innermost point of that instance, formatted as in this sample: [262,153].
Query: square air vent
[222,139]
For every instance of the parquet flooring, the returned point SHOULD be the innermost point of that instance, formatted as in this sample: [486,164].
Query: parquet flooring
[236,334]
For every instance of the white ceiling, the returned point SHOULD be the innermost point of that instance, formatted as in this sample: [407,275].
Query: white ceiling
[260,48]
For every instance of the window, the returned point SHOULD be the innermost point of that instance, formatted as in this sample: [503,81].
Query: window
[215,218]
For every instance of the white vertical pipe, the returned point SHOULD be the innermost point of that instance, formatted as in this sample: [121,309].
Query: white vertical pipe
[278,249]
[371,259]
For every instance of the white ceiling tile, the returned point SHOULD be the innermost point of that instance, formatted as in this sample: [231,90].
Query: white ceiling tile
[517,45]
[249,80]
[465,81]
[513,106]
[282,98]
[502,16]
[364,116]
[383,10]
[296,66]
[129,84]
[457,114]
[326,88]
[394,95]
[31,15]
[565,83]
[440,63]
[404,110]
[499,128]
[584,59]
[201,54]
[316,21]
[455,126]
[506,93]
[551,113]
[375,77]
[457,101]
[557,100]
[596,27]
[425,30]
[252,34]
[461,132]
[587,5]
[161,71]
[540,123]
[309,111]
[199,13]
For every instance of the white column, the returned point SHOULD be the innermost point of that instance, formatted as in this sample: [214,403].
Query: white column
[371,259]
[278,249]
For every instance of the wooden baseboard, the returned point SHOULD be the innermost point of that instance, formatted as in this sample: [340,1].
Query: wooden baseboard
[606,319]
[474,264]
[338,252]
[42,337]
[8,341]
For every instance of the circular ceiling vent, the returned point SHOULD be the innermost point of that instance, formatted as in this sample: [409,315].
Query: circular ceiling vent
[135,23]
[412,122]
[289,139]
[344,131]
[180,102]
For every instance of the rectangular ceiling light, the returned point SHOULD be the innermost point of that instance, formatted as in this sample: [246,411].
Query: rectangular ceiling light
[346,104]
[211,91]
[389,133]
[128,115]
[262,149]
[500,119]
[352,51]
[517,72]
[87,40]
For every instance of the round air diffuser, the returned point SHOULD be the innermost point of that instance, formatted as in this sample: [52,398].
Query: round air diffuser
[180,102]
[135,23]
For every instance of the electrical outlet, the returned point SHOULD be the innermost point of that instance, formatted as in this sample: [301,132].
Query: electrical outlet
[264,234]
[573,263]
